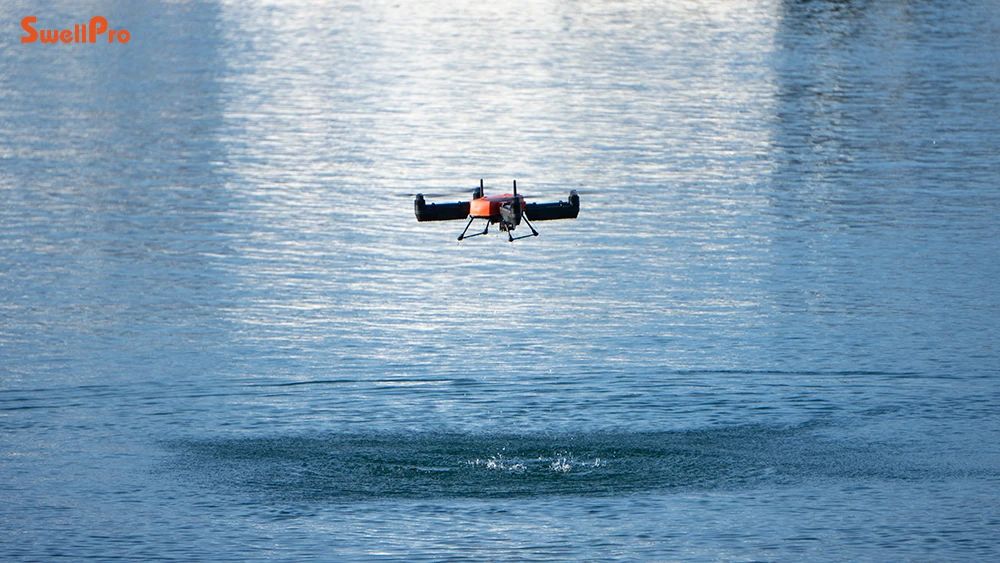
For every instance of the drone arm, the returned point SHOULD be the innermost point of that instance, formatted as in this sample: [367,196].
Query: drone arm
[439,211]
[558,210]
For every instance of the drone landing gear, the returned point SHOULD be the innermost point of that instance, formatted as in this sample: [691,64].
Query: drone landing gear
[503,227]
[512,238]
[467,225]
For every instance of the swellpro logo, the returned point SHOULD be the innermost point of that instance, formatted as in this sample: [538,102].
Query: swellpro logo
[88,32]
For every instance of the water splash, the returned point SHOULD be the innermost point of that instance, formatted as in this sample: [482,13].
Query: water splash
[561,465]
[498,463]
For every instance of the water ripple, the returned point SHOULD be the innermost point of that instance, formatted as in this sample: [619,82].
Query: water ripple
[441,465]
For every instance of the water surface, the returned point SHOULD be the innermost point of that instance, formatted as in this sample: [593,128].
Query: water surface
[771,334]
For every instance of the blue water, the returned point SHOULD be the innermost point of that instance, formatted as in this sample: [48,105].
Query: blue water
[771,334]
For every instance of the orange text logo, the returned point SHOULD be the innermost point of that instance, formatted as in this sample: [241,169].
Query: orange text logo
[88,32]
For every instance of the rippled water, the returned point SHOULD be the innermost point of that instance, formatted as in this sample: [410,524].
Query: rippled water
[771,334]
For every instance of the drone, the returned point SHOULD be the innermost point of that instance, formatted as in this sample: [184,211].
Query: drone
[509,210]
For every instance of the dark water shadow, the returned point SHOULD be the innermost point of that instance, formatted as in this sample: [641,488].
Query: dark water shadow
[348,467]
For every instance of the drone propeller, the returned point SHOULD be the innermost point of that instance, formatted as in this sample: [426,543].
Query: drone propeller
[476,192]
[444,191]
[437,194]
[550,186]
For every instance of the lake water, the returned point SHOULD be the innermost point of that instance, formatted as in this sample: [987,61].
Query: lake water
[771,334]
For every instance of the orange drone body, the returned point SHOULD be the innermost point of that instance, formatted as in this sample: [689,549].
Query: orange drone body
[488,207]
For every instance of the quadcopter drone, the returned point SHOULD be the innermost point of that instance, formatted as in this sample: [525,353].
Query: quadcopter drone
[509,210]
